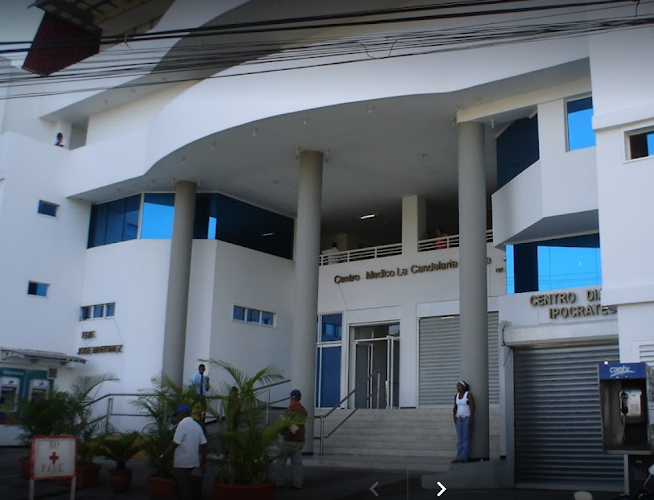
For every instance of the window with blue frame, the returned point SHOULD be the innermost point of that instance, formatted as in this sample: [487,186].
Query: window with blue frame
[158,212]
[328,360]
[553,265]
[580,127]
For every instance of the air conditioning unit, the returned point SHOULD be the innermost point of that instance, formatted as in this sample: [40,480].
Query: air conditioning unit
[52,373]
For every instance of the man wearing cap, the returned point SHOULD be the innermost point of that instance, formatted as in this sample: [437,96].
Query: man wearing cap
[188,442]
[293,442]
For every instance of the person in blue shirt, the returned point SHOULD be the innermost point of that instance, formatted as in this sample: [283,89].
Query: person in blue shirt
[200,381]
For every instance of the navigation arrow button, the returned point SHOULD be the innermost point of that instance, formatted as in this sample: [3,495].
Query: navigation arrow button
[443,488]
[372,488]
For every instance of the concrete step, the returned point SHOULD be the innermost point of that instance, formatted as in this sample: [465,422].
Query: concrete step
[412,464]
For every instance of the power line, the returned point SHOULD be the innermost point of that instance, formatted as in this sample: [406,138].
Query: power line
[187,61]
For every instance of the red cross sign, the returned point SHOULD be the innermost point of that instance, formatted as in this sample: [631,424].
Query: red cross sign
[53,457]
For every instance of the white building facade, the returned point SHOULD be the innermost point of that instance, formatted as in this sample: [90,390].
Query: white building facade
[145,244]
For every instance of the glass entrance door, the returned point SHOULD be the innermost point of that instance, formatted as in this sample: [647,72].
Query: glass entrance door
[376,370]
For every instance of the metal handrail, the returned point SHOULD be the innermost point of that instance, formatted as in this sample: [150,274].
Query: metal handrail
[322,418]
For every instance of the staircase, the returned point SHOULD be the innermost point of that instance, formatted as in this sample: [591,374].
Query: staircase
[415,439]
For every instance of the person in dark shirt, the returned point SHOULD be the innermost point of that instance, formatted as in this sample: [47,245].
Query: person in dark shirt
[293,442]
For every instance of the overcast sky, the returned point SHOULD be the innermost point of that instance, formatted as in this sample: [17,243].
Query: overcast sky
[18,23]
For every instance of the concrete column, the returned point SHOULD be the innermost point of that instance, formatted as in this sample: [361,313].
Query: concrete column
[305,309]
[181,246]
[414,223]
[472,278]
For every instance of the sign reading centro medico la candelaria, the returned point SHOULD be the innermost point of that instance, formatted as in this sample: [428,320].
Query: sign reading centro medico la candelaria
[53,457]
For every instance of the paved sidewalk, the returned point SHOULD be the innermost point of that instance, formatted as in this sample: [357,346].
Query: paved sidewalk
[321,483]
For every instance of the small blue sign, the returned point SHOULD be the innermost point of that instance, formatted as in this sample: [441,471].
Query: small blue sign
[615,371]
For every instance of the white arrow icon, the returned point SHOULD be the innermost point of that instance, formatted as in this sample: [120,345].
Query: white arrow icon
[443,488]
[372,488]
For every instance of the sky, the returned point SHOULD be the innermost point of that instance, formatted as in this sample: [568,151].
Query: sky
[18,22]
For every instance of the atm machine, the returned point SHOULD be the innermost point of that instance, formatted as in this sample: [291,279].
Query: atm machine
[39,389]
[9,394]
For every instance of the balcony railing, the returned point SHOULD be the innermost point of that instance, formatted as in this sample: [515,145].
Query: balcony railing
[446,242]
[361,254]
[393,249]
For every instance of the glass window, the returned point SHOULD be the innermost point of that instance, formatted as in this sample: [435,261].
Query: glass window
[46,208]
[40,289]
[226,219]
[641,144]
[85,313]
[115,222]
[98,311]
[267,318]
[110,310]
[158,212]
[554,264]
[98,225]
[239,313]
[253,315]
[331,330]
[132,209]
[580,128]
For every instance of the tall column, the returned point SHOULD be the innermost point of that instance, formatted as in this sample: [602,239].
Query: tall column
[414,210]
[179,276]
[305,311]
[472,278]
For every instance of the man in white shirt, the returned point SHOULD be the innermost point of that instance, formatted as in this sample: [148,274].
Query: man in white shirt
[188,442]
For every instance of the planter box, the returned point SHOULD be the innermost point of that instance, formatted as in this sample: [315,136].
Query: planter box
[241,492]
[161,488]
[88,476]
[120,480]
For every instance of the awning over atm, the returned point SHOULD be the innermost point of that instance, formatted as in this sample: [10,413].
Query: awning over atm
[33,356]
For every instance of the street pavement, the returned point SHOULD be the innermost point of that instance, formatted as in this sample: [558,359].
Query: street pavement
[320,483]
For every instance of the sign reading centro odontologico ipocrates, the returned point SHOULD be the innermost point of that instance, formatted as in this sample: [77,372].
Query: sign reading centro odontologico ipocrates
[53,457]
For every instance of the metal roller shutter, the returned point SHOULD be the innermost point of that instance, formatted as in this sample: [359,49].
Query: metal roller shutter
[439,360]
[558,437]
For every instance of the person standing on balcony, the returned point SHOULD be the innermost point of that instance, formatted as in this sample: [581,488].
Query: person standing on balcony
[463,411]
[201,383]
[442,243]
[330,252]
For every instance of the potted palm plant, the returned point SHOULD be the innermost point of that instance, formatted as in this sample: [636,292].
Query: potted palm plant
[243,450]
[66,413]
[85,428]
[119,447]
[157,405]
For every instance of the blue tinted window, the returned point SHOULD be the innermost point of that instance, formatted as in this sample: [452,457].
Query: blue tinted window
[331,329]
[641,145]
[239,313]
[46,208]
[226,219]
[110,310]
[555,264]
[85,313]
[580,127]
[132,209]
[568,267]
[40,289]
[253,315]
[267,318]
[98,311]
[114,221]
[158,212]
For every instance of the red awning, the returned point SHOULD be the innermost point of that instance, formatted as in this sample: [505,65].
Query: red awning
[59,44]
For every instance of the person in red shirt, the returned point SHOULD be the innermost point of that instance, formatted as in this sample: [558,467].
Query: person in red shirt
[293,442]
